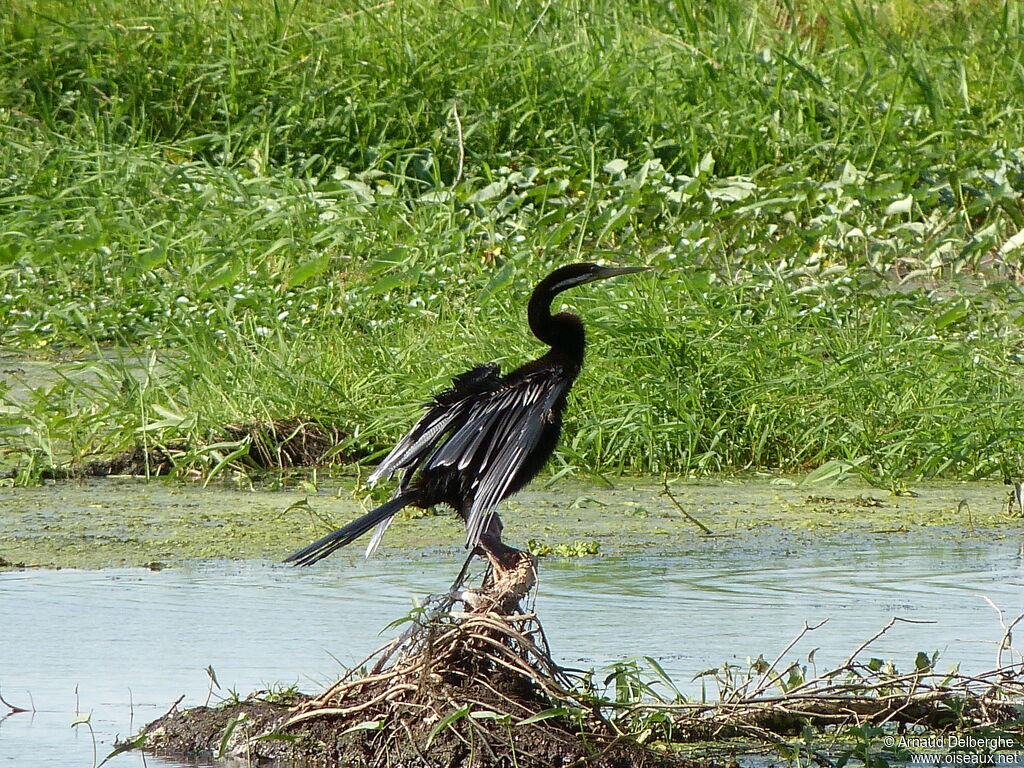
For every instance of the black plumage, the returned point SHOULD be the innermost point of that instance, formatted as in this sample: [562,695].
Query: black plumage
[488,435]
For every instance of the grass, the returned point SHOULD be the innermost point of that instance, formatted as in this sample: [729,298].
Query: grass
[268,210]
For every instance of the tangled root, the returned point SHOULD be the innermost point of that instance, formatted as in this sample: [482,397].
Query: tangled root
[459,689]
[467,689]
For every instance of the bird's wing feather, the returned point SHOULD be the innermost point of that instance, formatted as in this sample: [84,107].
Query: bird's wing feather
[446,411]
[501,429]
[418,442]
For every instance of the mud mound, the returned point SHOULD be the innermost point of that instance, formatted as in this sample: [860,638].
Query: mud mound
[461,690]
[288,443]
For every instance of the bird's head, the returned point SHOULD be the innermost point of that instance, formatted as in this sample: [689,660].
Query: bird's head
[572,275]
[565,330]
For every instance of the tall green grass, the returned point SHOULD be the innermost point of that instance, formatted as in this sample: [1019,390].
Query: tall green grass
[324,210]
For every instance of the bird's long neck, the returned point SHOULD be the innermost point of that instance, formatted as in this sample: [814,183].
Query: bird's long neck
[562,332]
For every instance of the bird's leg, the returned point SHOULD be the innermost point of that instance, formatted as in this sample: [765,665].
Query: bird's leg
[493,527]
[457,584]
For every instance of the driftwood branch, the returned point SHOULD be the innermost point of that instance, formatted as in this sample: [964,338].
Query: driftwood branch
[760,707]
[13,709]
[1006,641]
[682,510]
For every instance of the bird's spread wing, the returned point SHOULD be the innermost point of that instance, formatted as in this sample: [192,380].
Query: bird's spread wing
[495,437]
[445,413]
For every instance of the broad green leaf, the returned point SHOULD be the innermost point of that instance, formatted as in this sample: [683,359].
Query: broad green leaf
[501,280]
[447,720]
[307,271]
[663,676]
[222,277]
[138,743]
[833,472]
[152,258]
[488,715]
[362,191]
[951,315]
[615,167]
[903,205]
[489,192]
[390,282]
[547,714]
[368,725]
[228,730]
[277,246]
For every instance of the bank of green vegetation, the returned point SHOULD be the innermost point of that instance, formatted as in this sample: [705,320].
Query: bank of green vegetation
[261,212]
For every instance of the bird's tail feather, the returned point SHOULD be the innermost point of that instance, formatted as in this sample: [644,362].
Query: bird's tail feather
[378,535]
[332,542]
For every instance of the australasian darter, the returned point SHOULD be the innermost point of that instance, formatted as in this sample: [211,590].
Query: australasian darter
[487,436]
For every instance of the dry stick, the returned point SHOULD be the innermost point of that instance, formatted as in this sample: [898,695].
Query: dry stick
[343,711]
[1004,642]
[526,672]
[496,623]
[882,631]
[587,759]
[509,642]
[174,706]
[807,628]
[14,709]
[865,704]
[415,746]
[687,515]
[764,684]
[868,699]
[467,617]
[515,704]
[462,145]
[345,686]
[449,638]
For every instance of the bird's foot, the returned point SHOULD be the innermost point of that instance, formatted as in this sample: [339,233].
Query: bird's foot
[513,575]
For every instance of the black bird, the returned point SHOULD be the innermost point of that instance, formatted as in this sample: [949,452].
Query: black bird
[488,435]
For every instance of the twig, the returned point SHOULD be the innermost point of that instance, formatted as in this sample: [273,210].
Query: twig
[345,711]
[807,628]
[174,706]
[882,631]
[462,145]
[11,707]
[687,515]
[1005,641]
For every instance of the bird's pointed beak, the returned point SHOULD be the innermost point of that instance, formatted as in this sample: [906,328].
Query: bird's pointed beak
[603,272]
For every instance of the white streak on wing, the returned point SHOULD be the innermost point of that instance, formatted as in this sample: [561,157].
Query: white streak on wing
[420,442]
[408,449]
[497,431]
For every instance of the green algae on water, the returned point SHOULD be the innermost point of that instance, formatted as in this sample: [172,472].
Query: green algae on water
[132,522]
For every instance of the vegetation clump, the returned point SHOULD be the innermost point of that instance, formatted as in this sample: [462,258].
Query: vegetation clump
[480,688]
[462,689]
[208,223]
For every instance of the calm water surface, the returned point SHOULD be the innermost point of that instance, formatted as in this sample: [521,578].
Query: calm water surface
[125,644]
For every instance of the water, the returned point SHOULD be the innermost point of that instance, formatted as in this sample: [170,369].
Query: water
[123,644]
